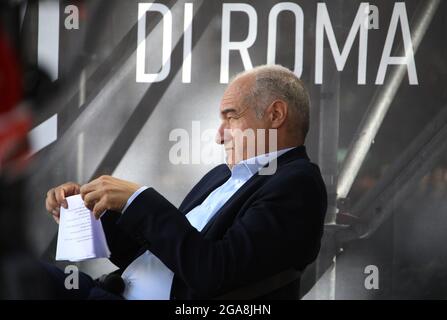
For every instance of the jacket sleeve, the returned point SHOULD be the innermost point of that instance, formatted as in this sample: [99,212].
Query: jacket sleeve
[124,248]
[281,228]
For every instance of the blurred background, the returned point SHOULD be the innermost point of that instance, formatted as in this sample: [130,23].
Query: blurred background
[73,108]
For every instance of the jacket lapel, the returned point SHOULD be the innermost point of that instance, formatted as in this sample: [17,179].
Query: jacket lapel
[205,191]
[233,199]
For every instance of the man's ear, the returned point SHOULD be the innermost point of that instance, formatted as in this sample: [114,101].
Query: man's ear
[277,113]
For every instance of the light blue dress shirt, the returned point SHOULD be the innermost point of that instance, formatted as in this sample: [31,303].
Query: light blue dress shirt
[147,277]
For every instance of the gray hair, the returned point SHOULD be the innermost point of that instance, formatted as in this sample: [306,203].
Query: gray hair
[274,82]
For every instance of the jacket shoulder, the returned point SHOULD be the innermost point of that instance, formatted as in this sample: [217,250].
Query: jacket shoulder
[296,177]
[298,168]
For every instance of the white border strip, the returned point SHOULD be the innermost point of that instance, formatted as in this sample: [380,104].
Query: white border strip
[43,135]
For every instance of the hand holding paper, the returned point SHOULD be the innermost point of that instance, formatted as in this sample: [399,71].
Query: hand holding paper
[80,235]
[107,193]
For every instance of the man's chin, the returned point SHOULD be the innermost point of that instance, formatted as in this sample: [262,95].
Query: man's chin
[229,160]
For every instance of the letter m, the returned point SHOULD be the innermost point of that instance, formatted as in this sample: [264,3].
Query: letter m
[324,26]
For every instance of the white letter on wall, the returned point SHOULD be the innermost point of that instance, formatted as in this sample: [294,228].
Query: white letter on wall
[187,39]
[271,42]
[142,76]
[242,46]
[324,24]
[48,38]
[399,14]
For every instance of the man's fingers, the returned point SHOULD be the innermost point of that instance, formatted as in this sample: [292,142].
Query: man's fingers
[99,208]
[51,202]
[91,198]
[56,219]
[71,189]
[89,187]
[66,190]
[60,197]
[76,189]
[56,198]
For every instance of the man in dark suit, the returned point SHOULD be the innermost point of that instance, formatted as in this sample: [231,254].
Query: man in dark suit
[243,231]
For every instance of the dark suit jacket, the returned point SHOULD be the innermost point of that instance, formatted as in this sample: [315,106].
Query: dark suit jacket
[272,223]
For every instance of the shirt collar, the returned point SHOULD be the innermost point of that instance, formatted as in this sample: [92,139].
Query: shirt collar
[247,168]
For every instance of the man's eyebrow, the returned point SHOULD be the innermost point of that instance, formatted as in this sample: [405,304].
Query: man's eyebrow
[227,110]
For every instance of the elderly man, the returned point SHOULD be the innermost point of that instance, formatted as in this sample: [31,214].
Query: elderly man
[238,233]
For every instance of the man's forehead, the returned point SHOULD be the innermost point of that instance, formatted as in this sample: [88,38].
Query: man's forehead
[233,94]
[230,99]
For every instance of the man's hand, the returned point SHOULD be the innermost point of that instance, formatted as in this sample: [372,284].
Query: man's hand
[56,198]
[107,193]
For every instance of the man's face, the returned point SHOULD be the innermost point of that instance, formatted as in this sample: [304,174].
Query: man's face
[239,124]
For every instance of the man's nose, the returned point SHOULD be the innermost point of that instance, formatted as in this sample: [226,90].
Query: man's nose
[222,134]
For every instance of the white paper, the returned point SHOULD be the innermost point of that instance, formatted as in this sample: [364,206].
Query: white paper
[80,236]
